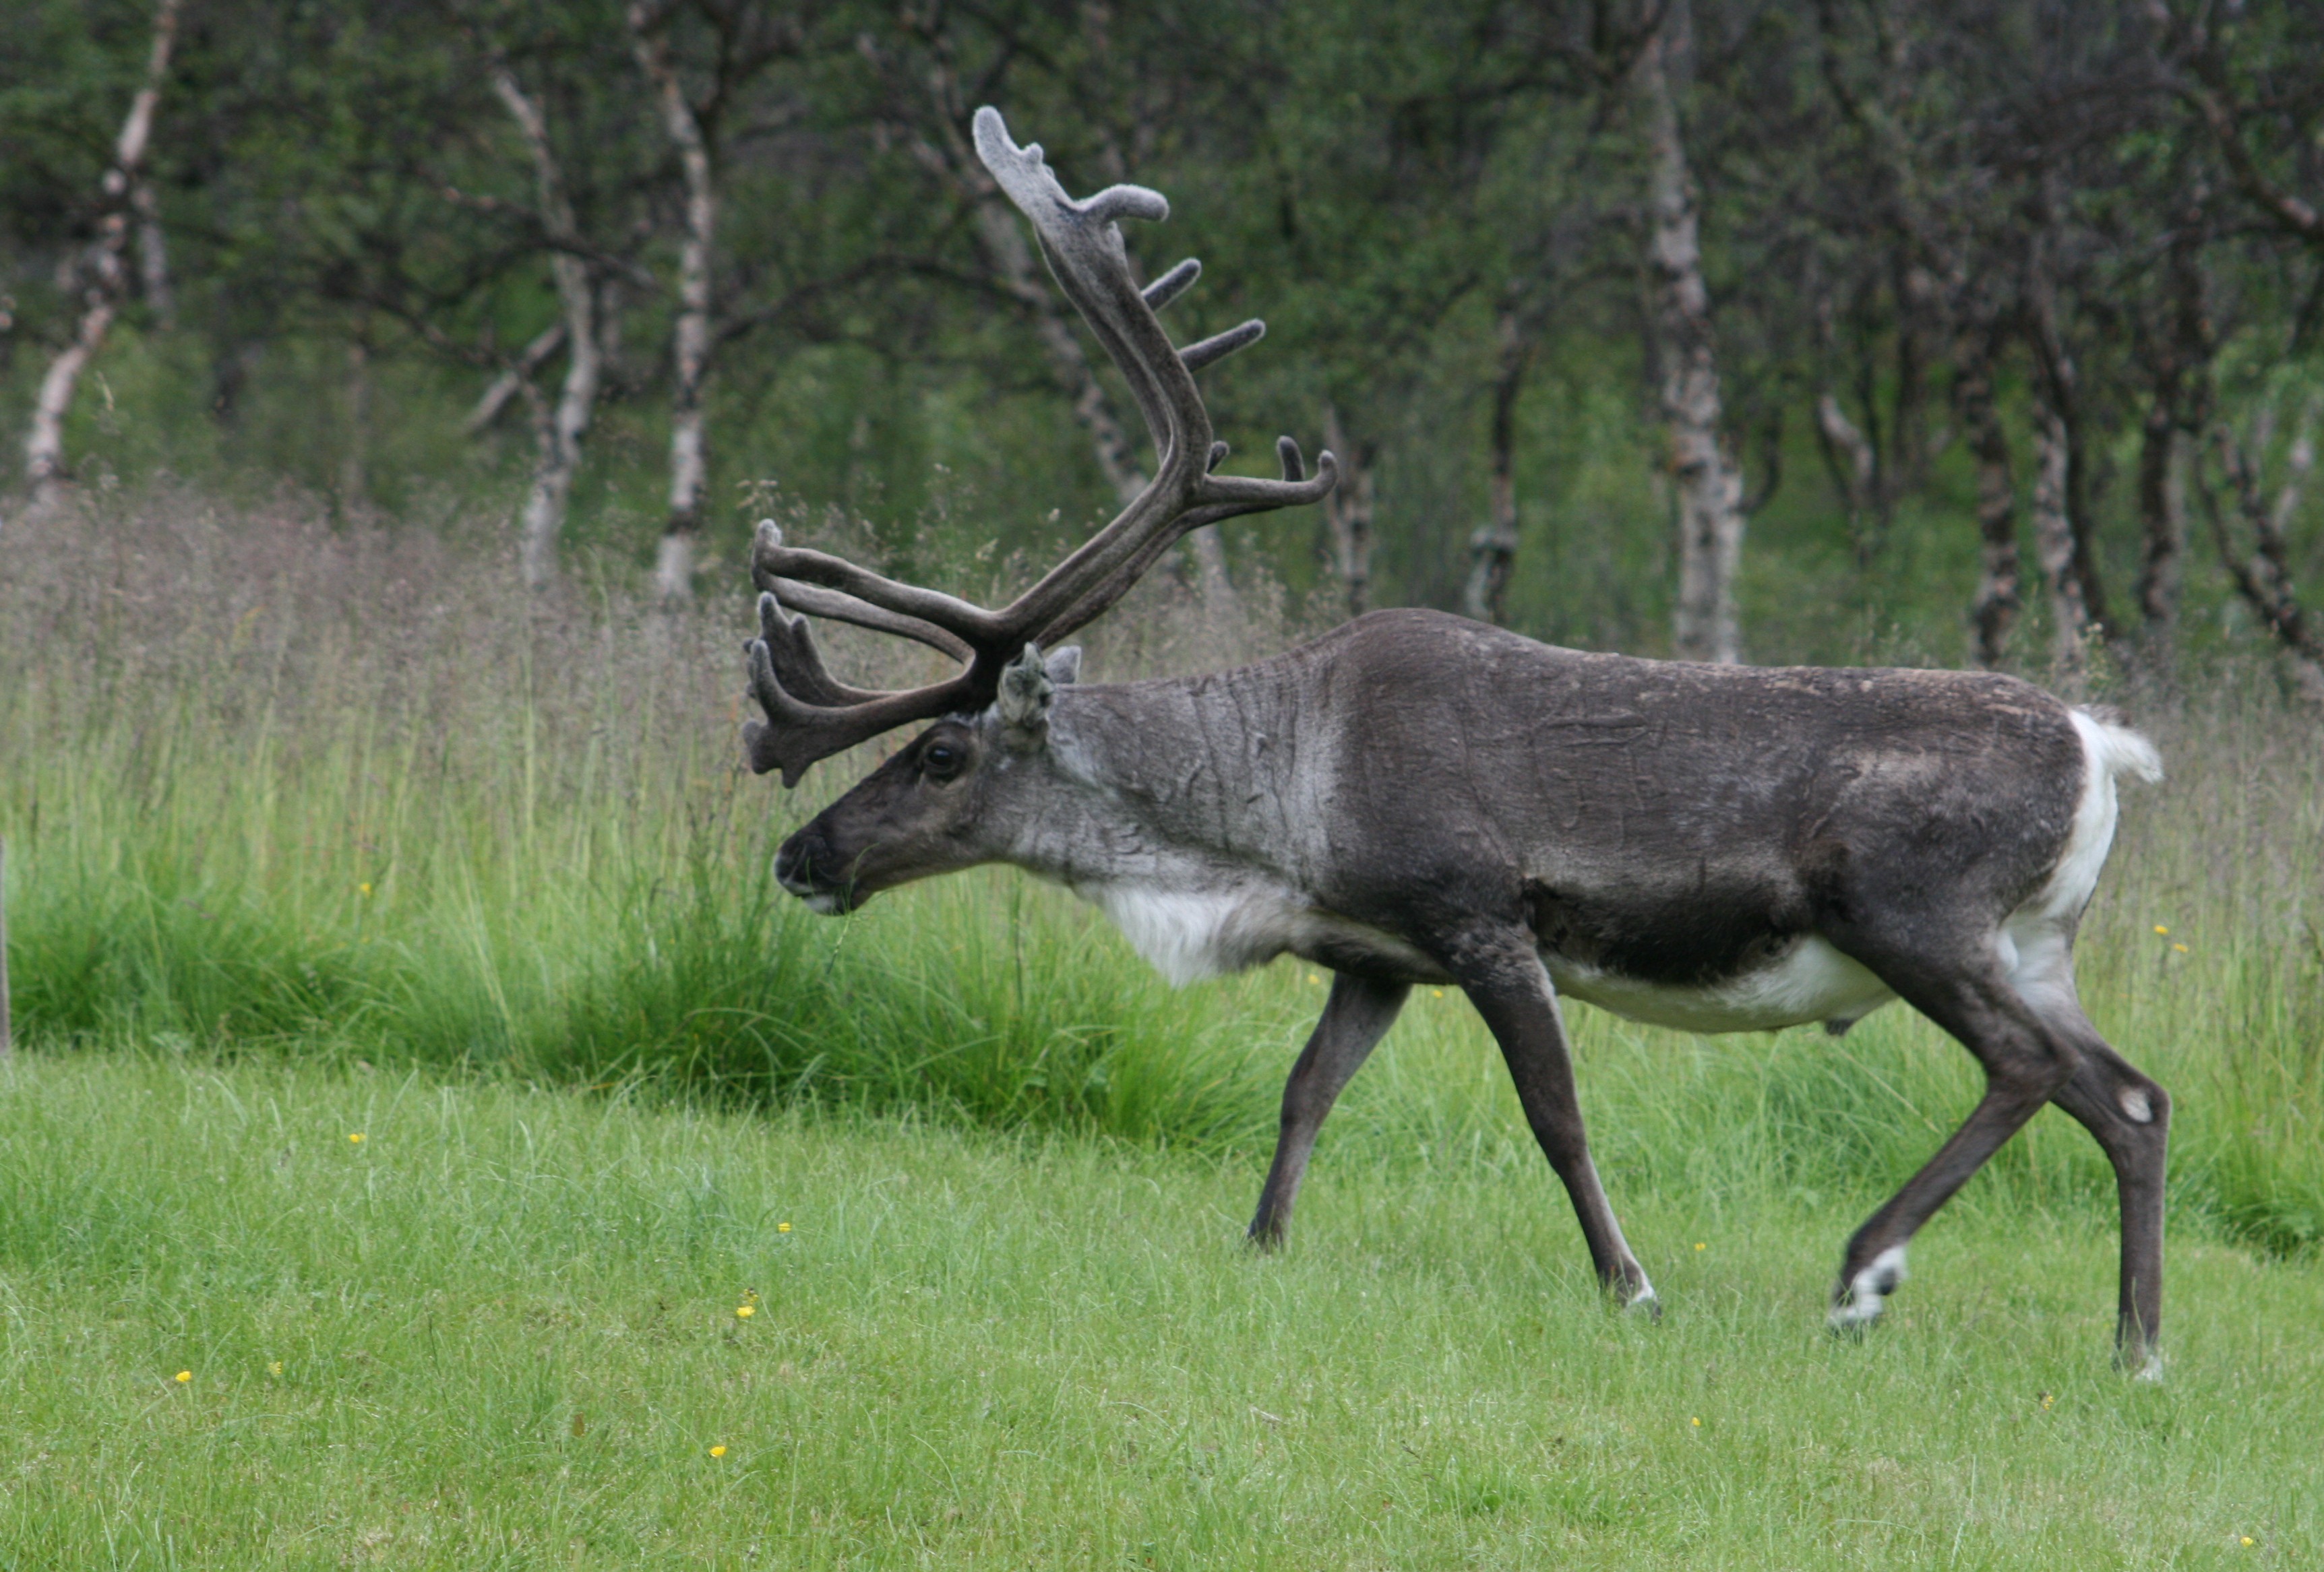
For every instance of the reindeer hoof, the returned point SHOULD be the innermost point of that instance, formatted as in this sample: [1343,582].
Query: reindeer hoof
[1862,1298]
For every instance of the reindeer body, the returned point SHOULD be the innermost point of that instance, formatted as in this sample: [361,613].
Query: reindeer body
[1414,797]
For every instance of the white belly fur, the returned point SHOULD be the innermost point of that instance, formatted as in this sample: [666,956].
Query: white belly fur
[1812,981]
[1187,935]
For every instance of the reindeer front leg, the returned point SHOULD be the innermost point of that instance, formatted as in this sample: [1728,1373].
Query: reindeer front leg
[1355,1018]
[1504,979]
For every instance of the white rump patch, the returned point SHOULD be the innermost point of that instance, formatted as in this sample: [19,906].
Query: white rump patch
[2034,941]
[1868,1291]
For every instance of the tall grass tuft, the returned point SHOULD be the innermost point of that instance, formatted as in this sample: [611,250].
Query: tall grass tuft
[270,785]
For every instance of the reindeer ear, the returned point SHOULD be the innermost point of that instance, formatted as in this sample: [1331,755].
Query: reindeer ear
[1064,665]
[1027,692]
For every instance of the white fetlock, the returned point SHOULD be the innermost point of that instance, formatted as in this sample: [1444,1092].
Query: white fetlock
[1868,1291]
[1644,1303]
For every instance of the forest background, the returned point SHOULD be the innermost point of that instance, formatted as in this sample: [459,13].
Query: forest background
[1998,344]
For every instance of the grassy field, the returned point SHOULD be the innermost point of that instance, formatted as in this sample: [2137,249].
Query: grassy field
[311,837]
[503,1329]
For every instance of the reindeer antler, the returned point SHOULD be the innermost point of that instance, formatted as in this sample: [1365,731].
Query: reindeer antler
[811,715]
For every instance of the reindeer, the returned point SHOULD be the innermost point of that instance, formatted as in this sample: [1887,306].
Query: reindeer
[1417,798]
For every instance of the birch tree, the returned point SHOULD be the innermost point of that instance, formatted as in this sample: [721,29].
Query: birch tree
[558,431]
[1706,625]
[104,272]
[689,455]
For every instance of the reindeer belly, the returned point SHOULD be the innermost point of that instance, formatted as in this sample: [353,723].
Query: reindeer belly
[1807,981]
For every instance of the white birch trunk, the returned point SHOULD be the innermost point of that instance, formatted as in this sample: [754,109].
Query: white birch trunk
[689,448]
[1710,488]
[560,437]
[45,470]
[2055,548]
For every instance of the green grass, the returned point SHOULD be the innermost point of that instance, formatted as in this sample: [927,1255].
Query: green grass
[505,1329]
[309,834]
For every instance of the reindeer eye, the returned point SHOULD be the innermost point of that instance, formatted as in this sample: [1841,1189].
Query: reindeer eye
[941,760]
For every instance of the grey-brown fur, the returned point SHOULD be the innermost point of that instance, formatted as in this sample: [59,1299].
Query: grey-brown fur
[1416,797]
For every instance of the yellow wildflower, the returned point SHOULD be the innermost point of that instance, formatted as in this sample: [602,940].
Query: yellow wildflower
[184,1376]
[1696,1423]
[782,1227]
[2181,948]
[365,887]
[2161,930]
[355,1138]
[743,1312]
[275,1368]
[718,1451]
[2247,1542]
[1702,1244]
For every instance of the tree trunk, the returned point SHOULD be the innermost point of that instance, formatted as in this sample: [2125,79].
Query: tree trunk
[2180,367]
[2162,529]
[559,435]
[688,450]
[2060,422]
[1493,549]
[2000,579]
[1349,512]
[1855,470]
[2264,575]
[44,445]
[1710,490]
[153,258]
[2058,550]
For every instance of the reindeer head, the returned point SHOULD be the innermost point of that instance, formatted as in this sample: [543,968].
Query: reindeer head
[960,794]
[938,804]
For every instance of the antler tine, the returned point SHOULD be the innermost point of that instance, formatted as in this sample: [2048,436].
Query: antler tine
[810,713]
[1084,251]
[1172,284]
[1099,599]
[798,595]
[928,615]
[796,735]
